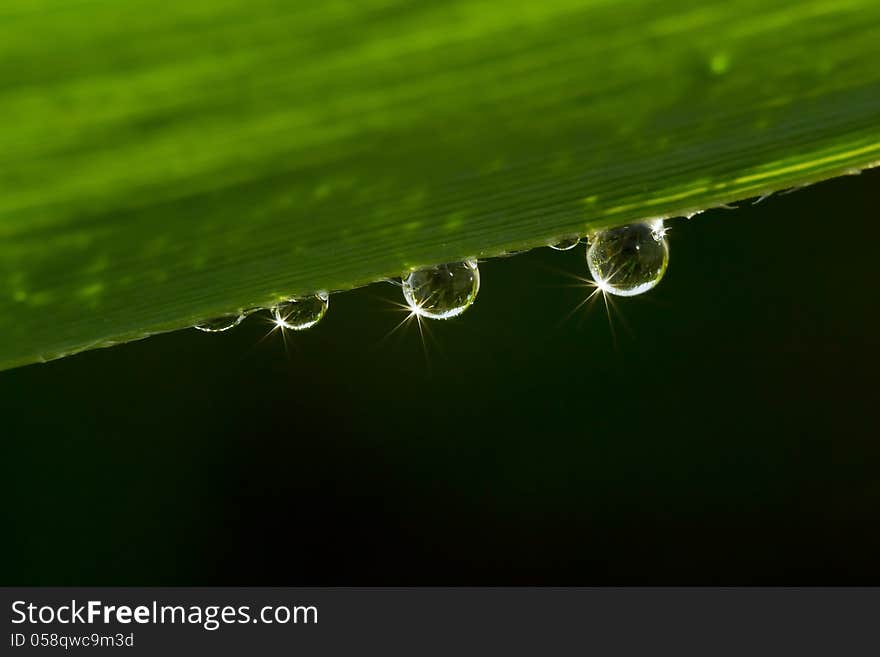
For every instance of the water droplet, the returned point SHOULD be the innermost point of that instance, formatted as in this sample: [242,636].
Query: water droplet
[221,324]
[442,291]
[300,314]
[566,244]
[629,260]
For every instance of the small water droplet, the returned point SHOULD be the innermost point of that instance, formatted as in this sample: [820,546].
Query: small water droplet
[300,314]
[442,291]
[220,324]
[566,244]
[629,260]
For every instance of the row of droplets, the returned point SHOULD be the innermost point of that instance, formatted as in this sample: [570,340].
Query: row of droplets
[623,261]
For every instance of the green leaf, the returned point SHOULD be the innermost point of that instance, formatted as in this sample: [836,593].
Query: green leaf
[163,163]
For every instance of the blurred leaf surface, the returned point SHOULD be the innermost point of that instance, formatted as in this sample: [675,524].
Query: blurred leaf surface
[164,163]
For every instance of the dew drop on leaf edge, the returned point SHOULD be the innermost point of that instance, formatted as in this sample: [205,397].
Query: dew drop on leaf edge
[301,314]
[220,324]
[442,291]
[629,260]
[565,244]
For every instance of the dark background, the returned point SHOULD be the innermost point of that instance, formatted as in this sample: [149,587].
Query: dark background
[729,437]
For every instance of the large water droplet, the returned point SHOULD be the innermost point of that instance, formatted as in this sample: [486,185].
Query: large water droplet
[566,244]
[442,291]
[220,324]
[629,260]
[300,314]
